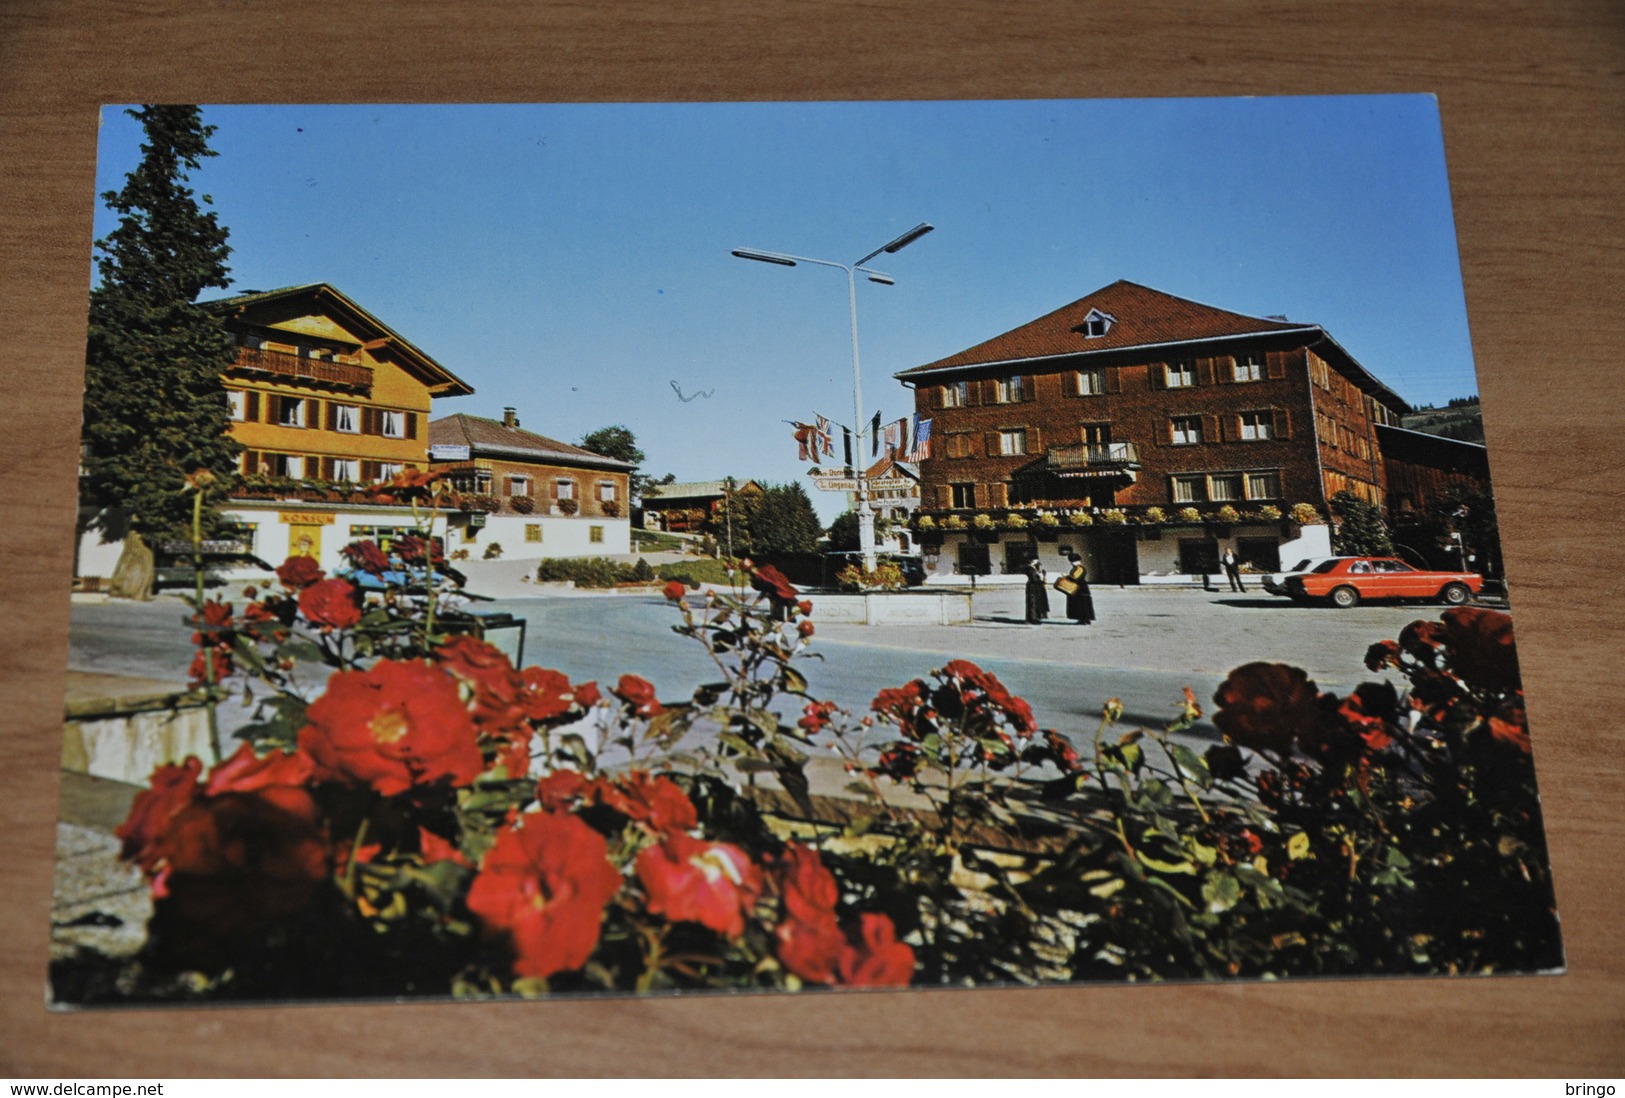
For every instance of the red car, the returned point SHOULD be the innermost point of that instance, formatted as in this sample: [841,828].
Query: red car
[1347,580]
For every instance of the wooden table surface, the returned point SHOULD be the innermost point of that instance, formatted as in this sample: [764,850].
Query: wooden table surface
[1534,115]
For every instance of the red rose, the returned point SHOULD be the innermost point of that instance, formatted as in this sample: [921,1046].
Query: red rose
[649,799]
[399,724]
[169,789]
[815,716]
[561,789]
[1511,727]
[235,861]
[1422,639]
[296,572]
[544,885]
[811,949]
[772,583]
[676,590]
[246,772]
[805,628]
[879,959]
[1382,654]
[1369,713]
[548,694]
[214,620]
[366,556]
[1266,706]
[587,695]
[435,849]
[687,880]
[810,891]
[805,607]
[199,673]
[1480,646]
[639,693]
[331,604]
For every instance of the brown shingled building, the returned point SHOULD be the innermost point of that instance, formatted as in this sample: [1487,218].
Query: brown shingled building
[1148,433]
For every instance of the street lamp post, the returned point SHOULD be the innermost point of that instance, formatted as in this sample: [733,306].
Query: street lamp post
[866,518]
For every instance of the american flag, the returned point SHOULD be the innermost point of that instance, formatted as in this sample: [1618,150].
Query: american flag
[922,441]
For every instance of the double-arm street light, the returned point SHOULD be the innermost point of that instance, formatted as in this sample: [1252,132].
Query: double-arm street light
[866,518]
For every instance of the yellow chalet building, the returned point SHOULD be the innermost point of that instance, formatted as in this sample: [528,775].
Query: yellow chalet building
[323,396]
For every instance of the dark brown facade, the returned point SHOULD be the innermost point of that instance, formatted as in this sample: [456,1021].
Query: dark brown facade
[1422,470]
[1130,399]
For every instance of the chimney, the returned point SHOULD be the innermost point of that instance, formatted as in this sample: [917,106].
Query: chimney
[510,418]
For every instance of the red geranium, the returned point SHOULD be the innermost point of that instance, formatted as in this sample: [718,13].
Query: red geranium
[1266,706]
[639,693]
[331,604]
[878,959]
[398,724]
[544,885]
[435,849]
[1481,650]
[199,674]
[214,621]
[296,572]
[688,880]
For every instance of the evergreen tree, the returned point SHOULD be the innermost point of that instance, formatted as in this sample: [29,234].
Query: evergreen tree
[784,521]
[843,533]
[155,409]
[1361,531]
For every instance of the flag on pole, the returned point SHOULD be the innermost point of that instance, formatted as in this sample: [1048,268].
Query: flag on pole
[874,436]
[892,438]
[902,436]
[922,441]
[846,444]
[806,442]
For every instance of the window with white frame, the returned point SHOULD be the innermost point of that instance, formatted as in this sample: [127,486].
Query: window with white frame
[1224,487]
[237,402]
[1186,430]
[1247,368]
[1009,389]
[1255,425]
[565,489]
[347,469]
[392,424]
[1189,489]
[519,486]
[388,469]
[1091,382]
[346,418]
[964,495]
[1013,442]
[1179,375]
[955,393]
[290,412]
[1264,485]
[287,465]
[606,491]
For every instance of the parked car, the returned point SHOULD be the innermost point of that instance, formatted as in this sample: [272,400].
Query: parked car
[1275,582]
[1345,581]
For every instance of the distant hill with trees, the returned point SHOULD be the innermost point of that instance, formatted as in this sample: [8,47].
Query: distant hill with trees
[1459,418]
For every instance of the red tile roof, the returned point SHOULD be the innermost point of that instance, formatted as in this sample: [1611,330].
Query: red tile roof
[1141,317]
[488,437]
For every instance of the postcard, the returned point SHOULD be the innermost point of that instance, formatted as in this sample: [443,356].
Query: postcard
[784,547]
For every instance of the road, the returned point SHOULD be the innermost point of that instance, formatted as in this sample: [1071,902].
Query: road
[1147,646]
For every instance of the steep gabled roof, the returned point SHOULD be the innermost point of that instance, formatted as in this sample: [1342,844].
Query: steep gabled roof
[1139,315]
[489,438]
[696,489]
[321,297]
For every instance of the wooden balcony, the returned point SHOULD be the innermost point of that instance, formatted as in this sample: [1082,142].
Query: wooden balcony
[342,375]
[1100,459]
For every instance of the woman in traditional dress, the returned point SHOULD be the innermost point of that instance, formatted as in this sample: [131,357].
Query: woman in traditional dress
[1037,593]
[1080,604]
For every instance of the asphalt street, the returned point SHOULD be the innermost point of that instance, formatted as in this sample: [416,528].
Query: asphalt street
[1147,645]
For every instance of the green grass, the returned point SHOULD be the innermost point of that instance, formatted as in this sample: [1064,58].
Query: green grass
[697,571]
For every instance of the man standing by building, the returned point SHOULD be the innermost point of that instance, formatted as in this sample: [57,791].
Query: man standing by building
[1232,570]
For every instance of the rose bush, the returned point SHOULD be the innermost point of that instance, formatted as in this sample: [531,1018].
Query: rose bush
[432,819]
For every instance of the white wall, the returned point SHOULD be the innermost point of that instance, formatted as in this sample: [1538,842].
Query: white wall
[560,537]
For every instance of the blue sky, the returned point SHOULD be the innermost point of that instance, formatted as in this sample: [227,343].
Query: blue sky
[573,260]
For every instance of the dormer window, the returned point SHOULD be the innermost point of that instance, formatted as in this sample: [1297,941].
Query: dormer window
[1096,324]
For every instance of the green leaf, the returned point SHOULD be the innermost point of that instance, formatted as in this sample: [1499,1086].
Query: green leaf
[1192,764]
[1221,891]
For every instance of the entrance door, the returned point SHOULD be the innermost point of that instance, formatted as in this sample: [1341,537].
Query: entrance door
[1198,557]
[304,541]
[1118,555]
[1017,555]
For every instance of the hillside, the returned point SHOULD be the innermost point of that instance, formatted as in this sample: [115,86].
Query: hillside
[1459,419]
